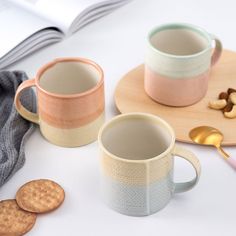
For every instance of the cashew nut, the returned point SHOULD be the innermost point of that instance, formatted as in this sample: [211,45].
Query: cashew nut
[232,98]
[232,113]
[217,104]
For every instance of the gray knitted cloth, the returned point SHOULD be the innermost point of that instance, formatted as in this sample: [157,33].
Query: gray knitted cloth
[14,130]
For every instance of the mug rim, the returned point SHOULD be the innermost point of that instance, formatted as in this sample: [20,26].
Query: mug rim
[142,115]
[192,27]
[69,59]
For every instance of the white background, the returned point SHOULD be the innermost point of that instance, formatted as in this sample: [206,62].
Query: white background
[117,43]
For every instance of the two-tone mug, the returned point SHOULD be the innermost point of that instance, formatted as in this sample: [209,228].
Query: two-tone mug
[178,62]
[70,94]
[137,164]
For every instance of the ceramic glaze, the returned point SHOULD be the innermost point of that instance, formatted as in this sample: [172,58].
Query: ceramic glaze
[70,95]
[72,137]
[134,183]
[175,92]
[137,200]
[177,63]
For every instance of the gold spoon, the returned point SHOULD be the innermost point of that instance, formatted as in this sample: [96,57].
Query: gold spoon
[207,135]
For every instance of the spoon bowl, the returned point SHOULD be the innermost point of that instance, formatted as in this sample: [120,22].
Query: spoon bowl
[206,135]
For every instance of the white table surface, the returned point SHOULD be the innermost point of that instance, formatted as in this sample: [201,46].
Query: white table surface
[117,43]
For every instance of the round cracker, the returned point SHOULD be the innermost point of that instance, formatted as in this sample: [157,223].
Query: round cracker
[14,221]
[40,196]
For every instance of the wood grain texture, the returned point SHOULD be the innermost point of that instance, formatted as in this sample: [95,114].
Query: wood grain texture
[131,97]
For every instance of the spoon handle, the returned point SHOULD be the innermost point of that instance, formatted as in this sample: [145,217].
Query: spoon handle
[229,159]
[232,162]
[222,152]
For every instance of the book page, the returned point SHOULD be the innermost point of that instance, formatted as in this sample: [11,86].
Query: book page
[16,25]
[61,12]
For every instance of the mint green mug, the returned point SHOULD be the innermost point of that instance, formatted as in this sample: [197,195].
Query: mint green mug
[178,62]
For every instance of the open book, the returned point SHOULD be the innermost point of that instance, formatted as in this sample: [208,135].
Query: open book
[28,25]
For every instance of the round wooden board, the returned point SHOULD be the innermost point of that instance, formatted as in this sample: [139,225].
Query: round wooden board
[131,97]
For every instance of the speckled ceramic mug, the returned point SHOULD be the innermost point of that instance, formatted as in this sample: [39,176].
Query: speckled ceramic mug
[178,62]
[70,94]
[137,164]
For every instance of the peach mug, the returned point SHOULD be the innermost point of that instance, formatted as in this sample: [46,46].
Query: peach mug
[70,94]
[178,62]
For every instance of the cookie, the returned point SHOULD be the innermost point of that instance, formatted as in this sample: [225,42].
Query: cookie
[13,220]
[40,196]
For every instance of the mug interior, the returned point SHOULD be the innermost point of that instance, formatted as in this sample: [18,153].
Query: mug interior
[136,137]
[69,77]
[179,40]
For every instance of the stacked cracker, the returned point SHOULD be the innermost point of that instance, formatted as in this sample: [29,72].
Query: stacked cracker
[17,217]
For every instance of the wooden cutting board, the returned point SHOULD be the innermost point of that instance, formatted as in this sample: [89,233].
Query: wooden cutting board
[131,97]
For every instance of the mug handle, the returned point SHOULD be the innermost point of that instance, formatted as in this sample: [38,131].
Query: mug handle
[217,51]
[190,157]
[33,117]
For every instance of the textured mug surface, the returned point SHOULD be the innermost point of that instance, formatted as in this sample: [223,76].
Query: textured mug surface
[137,151]
[177,63]
[70,94]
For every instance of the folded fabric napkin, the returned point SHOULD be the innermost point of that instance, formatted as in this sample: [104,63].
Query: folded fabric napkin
[14,130]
